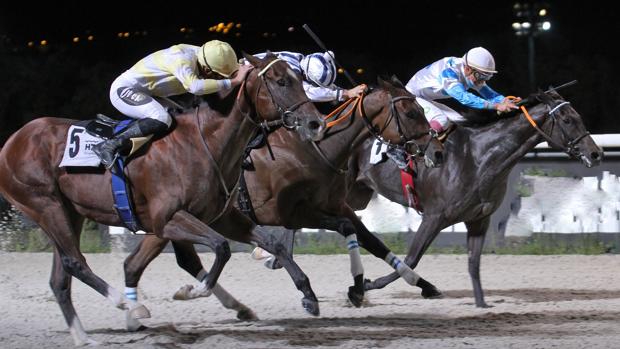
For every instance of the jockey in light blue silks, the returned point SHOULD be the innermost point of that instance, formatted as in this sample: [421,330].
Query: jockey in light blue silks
[452,77]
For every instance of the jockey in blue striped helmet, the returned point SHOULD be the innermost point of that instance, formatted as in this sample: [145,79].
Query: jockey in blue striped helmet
[320,68]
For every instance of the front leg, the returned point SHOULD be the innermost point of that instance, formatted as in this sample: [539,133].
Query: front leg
[184,227]
[476,231]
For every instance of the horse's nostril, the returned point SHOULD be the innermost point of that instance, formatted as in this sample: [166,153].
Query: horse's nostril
[313,125]
[439,156]
[595,155]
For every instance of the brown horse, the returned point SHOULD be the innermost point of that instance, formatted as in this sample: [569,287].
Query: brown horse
[472,183]
[179,185]
[306,188]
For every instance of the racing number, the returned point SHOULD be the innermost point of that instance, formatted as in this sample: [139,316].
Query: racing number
[74,142]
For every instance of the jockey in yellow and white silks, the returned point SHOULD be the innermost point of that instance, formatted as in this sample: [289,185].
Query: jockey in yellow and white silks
[176,70]
[452,77]
[319,75]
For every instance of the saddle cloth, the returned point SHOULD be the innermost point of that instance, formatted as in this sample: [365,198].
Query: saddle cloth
[78,149]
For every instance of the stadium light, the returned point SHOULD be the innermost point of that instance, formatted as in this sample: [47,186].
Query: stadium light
[531,20]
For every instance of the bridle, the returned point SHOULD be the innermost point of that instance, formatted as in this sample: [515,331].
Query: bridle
[571,146]
[286,113]
[377,133]
[265,127]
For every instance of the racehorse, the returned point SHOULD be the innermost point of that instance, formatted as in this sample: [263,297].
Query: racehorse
[472,183]
[181,183]
[306,188]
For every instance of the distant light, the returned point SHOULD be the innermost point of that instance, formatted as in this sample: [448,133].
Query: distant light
[220,26]
[237,34]
[291,29]
[265,35]
[516,25]
[340,71]
[183,30]
[76,39]
[43,42]
[30,43]
[516,6]
[211,29]
[360,71]
[120,35]
[542,12]
[126,34]
[225,30]
[238,25]
[90,38]
[526,25]
[546,25]
[145,33]
[229,25]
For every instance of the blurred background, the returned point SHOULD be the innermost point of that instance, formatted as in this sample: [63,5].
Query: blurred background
[59,58]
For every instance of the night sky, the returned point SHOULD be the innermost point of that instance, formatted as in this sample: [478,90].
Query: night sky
[398,37]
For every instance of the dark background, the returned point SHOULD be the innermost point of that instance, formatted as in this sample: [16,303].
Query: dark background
[70,79]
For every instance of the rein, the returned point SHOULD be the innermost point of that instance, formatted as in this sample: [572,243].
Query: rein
[570,147]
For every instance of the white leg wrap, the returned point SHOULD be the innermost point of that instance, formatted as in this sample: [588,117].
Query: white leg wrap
[79,335]
[131,293]
[354,255]
[410,276]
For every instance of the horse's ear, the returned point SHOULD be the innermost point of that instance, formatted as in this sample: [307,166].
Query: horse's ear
[396,81]
[253,60]
[270,54]
[382,81]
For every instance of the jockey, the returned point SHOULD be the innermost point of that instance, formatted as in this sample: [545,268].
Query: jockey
[173,71]
[319,74]
[452,77]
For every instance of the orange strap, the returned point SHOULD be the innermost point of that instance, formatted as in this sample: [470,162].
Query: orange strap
[525,112]
[342,107]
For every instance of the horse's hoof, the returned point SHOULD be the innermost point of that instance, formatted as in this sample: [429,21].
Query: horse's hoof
[312,307]
[139,312]
[483,304]
[246,315]
[183,293]
[355,297]
[272,263]
[86,343]
[259,254]
[431,293]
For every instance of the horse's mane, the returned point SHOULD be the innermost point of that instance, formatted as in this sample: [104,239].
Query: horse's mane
[482,117]
[221,102]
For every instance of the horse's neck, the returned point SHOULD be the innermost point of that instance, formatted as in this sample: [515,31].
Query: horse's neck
[498,147]
[339,146]
[225,136]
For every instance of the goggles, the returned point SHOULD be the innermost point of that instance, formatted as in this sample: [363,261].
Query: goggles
[481,76]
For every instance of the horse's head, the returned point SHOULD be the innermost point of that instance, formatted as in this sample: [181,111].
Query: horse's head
[277,94]
[566,129]
[402,122]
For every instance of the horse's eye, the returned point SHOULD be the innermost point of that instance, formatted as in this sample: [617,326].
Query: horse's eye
[281,82]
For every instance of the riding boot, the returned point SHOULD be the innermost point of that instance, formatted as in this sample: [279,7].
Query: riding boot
[108,150]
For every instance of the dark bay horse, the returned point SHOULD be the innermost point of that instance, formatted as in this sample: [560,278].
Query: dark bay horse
[179,185]
[305,187]
[472,183]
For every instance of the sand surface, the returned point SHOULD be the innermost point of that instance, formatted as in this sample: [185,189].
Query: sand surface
[538,302]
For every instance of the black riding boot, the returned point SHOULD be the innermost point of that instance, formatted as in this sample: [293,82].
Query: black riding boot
[108,150]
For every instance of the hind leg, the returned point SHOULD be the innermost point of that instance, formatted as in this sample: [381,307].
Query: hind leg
[62,226]
[60,282]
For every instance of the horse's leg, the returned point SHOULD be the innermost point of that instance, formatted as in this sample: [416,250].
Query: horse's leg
[188,260]
[374,245]
[428,230]
[476,231]
[148,249]
[185,227]
[60,282]
[63,226]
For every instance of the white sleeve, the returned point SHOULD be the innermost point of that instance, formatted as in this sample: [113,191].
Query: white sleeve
[321,94]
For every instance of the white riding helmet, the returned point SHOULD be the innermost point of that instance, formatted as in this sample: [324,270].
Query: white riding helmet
[218,56]
[320,68]
[480,59]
